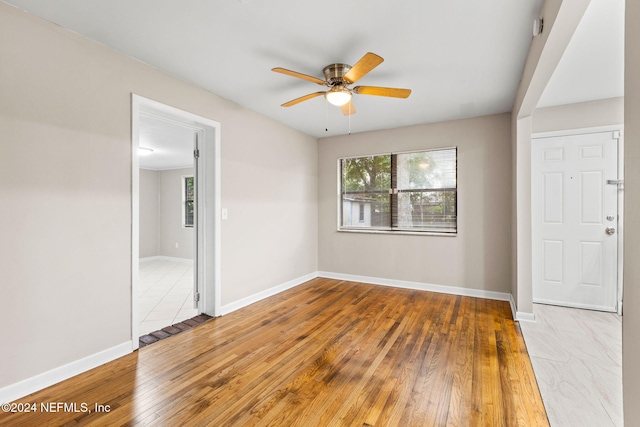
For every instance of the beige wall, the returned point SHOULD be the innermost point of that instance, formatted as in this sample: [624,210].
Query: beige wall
[171,231]
[478,257]
[631,317]
[149,212]
[561,18]
[161,214]
[582,115]
[65,180]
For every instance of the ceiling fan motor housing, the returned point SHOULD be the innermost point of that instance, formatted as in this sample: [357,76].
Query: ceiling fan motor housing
[334,74]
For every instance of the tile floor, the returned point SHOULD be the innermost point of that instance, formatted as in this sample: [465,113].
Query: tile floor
[577,358]
[166,294]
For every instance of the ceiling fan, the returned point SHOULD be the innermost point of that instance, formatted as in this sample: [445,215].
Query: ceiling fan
[338,78]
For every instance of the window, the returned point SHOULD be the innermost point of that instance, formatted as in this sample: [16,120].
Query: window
[188,194]
[400,192]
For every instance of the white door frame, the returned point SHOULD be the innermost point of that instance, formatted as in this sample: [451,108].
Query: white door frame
[620,223]
[208,210]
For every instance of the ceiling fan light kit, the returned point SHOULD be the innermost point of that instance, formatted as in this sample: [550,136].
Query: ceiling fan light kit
[338,78]
[338,96]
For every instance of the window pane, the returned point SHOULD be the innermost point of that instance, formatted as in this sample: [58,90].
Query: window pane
[433,210]
[427,170]
[188,195]
[426,183]
[424,196]
[365,192]
[188,182]
[188,214]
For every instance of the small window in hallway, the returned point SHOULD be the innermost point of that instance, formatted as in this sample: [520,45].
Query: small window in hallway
[188,195]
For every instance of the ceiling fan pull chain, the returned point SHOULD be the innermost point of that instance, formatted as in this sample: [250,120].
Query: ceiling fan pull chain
[326,112]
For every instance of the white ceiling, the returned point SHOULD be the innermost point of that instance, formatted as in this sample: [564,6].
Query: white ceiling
[172,144]
[593,65]
[461,58]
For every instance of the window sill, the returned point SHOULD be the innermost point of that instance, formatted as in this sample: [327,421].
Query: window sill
[400,232]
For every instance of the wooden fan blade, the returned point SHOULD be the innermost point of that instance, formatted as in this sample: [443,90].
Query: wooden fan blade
[367,63]
[302,98]
[393,92]
[298,75]
[348,108]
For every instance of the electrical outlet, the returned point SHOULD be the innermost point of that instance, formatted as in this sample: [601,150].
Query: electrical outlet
[177,245]
[225,213]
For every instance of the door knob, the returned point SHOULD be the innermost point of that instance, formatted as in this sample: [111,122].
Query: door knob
[610,230]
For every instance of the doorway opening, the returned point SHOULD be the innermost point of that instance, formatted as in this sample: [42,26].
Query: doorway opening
[175,225]
[577,231]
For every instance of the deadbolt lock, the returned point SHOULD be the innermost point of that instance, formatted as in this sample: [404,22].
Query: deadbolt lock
[610,217]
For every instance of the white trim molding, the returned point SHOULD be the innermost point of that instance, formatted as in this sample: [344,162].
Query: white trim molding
[174,259]
[166,258]
[209,176]
[514,310]
[579,131]
[236,305]
[520,316]
[525,317]
[477,293]
[54,376]
[46,379]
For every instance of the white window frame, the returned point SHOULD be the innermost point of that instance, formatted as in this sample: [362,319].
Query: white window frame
[183,191]
[389,230]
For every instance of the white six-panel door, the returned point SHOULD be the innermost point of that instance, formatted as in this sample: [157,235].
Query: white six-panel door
[574,220]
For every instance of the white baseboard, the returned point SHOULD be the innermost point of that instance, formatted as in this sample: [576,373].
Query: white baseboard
[228,308]
[38,382]
[170,258]
[514,310]
[46,379]
[525,317]
[520,316]
[620,308]
[166,258]
[478,293]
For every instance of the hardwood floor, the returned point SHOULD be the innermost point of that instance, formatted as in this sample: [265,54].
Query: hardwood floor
[326,353]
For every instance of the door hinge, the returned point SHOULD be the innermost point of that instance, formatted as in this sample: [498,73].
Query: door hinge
[196,296]
[196,153]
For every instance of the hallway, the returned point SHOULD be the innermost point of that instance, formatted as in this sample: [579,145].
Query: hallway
[166,294]
[577,359]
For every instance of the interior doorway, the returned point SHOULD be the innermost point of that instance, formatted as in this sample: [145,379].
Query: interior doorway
[176,189]
[168,223]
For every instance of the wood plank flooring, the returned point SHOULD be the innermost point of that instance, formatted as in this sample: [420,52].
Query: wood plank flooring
[326,353]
